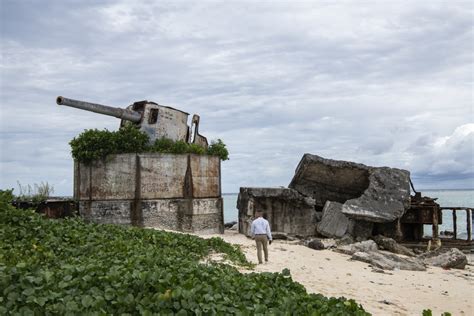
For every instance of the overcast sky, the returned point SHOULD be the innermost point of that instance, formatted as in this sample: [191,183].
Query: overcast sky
[376,82]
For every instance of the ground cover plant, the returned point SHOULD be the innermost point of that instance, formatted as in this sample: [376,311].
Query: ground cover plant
[96,144]
[61,267]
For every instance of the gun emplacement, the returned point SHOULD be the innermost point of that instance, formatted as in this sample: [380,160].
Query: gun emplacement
[157,121]
[120,113]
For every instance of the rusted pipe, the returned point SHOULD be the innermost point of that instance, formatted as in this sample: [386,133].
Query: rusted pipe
[469,224]
[435,224]
[455,225]
[102,109]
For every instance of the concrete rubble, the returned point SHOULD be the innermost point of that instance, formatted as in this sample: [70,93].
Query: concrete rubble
[372,194]
[368,251]
[330,198]
[354,208]
[403,259]
[363,246]
[447,259]
[389,261]
[391,245]
[320,244]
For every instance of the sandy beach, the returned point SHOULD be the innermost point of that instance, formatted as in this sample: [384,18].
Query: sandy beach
[390,293]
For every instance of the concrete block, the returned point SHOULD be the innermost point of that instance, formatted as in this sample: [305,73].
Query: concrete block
[205,172]
[106,212]
[162,176]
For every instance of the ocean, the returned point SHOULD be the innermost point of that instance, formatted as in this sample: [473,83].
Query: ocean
[463,198]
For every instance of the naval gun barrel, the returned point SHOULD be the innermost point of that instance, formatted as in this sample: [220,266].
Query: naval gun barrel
[120,113]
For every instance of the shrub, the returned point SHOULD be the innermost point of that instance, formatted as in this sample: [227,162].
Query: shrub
[162,145]
[94,144]
[218,148]
[129,139]
[6,198]
[196,149]
[165,145]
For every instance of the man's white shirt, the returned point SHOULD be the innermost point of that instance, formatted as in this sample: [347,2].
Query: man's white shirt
[261,226]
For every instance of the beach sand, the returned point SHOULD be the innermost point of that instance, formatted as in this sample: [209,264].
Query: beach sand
[390,293]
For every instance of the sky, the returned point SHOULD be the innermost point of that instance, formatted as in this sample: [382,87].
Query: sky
[383,83]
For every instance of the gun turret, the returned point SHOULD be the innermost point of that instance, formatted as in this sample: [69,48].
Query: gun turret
[157,121]
[123,114]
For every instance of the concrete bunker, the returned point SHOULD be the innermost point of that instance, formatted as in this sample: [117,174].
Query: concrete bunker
[341,198]
[169,191]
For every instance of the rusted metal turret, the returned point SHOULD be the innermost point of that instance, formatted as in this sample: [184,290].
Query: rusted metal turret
[157,121]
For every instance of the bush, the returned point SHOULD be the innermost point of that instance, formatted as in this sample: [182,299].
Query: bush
[57,267]
[94,144]
[218,148]
[162,145]
[129,139]
[6,198]
[196,149]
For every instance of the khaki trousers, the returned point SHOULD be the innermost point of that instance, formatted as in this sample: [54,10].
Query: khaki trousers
[262,242]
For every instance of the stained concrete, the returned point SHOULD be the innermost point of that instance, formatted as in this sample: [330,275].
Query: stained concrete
[177,192]
[287,210]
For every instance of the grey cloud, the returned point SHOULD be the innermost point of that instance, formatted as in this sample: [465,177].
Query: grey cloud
[377,83]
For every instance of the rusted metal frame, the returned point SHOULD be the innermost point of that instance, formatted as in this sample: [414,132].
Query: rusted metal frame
[457,208]
[469,224]
[435,224]
[455,225]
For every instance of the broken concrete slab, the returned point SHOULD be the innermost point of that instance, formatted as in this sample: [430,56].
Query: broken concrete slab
[364,246]
[321,244]
[391,245]
[333,223]
[389,261]
[287,210]
[372,194]
[447,259]
[386,198]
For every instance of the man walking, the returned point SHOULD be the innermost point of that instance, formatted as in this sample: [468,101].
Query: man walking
[260,231]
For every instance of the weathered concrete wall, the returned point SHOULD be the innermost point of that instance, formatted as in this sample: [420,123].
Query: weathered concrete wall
[287,210]
[107,212]
[162,176]
[206,178]
[179,192]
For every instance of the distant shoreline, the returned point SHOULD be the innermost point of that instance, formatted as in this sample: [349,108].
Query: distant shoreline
[419,190]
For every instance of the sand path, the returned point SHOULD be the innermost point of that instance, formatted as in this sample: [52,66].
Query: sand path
[390,293]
